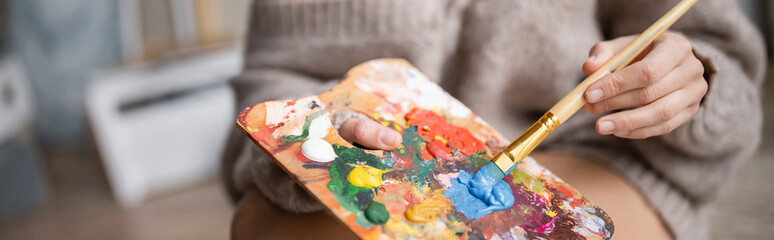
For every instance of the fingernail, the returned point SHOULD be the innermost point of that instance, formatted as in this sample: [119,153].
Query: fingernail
[594,95]
[389,138]
[606,126]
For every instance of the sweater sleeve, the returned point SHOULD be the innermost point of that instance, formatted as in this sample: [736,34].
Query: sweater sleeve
[700,154]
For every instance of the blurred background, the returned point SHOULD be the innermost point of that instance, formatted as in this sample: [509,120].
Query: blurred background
[113,114]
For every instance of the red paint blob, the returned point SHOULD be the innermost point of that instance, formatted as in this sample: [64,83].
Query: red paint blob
[441,136]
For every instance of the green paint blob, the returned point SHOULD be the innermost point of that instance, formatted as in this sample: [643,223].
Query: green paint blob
[377,213]
[353,198]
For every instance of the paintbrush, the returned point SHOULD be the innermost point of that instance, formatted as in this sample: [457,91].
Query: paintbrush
[508,158]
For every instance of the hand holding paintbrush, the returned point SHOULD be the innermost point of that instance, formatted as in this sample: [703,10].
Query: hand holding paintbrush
[504,161]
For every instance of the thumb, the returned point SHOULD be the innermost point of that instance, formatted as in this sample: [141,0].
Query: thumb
[369,134]
[603,52]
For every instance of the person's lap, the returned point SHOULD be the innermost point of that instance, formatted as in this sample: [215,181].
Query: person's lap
[256,218]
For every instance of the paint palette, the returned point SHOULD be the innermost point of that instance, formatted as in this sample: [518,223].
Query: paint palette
[399,194]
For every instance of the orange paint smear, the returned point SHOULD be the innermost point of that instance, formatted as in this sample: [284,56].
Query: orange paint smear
[395,195]
[567,192]
[264,135]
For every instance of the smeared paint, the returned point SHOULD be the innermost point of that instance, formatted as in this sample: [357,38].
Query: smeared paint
[366,176]
[318,150]
[266,132]
[476,198]
[445,179]
[376,213]
[283,112]
[532,183]
[307,124]
[409,158]
[443,137]
[592,224]
[397,195]
[429,209]
[478,159]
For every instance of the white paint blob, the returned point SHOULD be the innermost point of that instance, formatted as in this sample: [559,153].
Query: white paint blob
[318,150]
[320,126]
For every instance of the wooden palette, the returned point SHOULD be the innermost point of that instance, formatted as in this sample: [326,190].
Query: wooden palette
[441,137]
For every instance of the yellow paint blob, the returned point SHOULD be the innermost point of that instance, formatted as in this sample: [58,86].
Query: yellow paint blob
[427,210]
[366,176]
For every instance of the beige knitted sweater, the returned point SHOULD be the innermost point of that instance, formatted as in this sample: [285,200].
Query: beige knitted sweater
[509,61]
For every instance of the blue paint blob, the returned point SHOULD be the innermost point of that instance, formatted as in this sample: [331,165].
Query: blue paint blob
[478,196]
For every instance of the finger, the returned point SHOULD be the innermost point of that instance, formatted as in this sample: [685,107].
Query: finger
[654,113]
[666,54]
[369,134]
[601,52]
[663,128]
[676,79]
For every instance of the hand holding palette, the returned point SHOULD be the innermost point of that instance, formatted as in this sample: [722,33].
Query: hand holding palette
[425,188]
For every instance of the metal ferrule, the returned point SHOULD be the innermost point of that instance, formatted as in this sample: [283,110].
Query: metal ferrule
[527,142]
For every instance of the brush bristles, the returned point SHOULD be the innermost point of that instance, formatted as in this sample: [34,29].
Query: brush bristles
[491,170]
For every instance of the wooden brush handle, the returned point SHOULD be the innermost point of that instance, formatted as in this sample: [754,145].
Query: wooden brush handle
[565,108]
[574,100]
